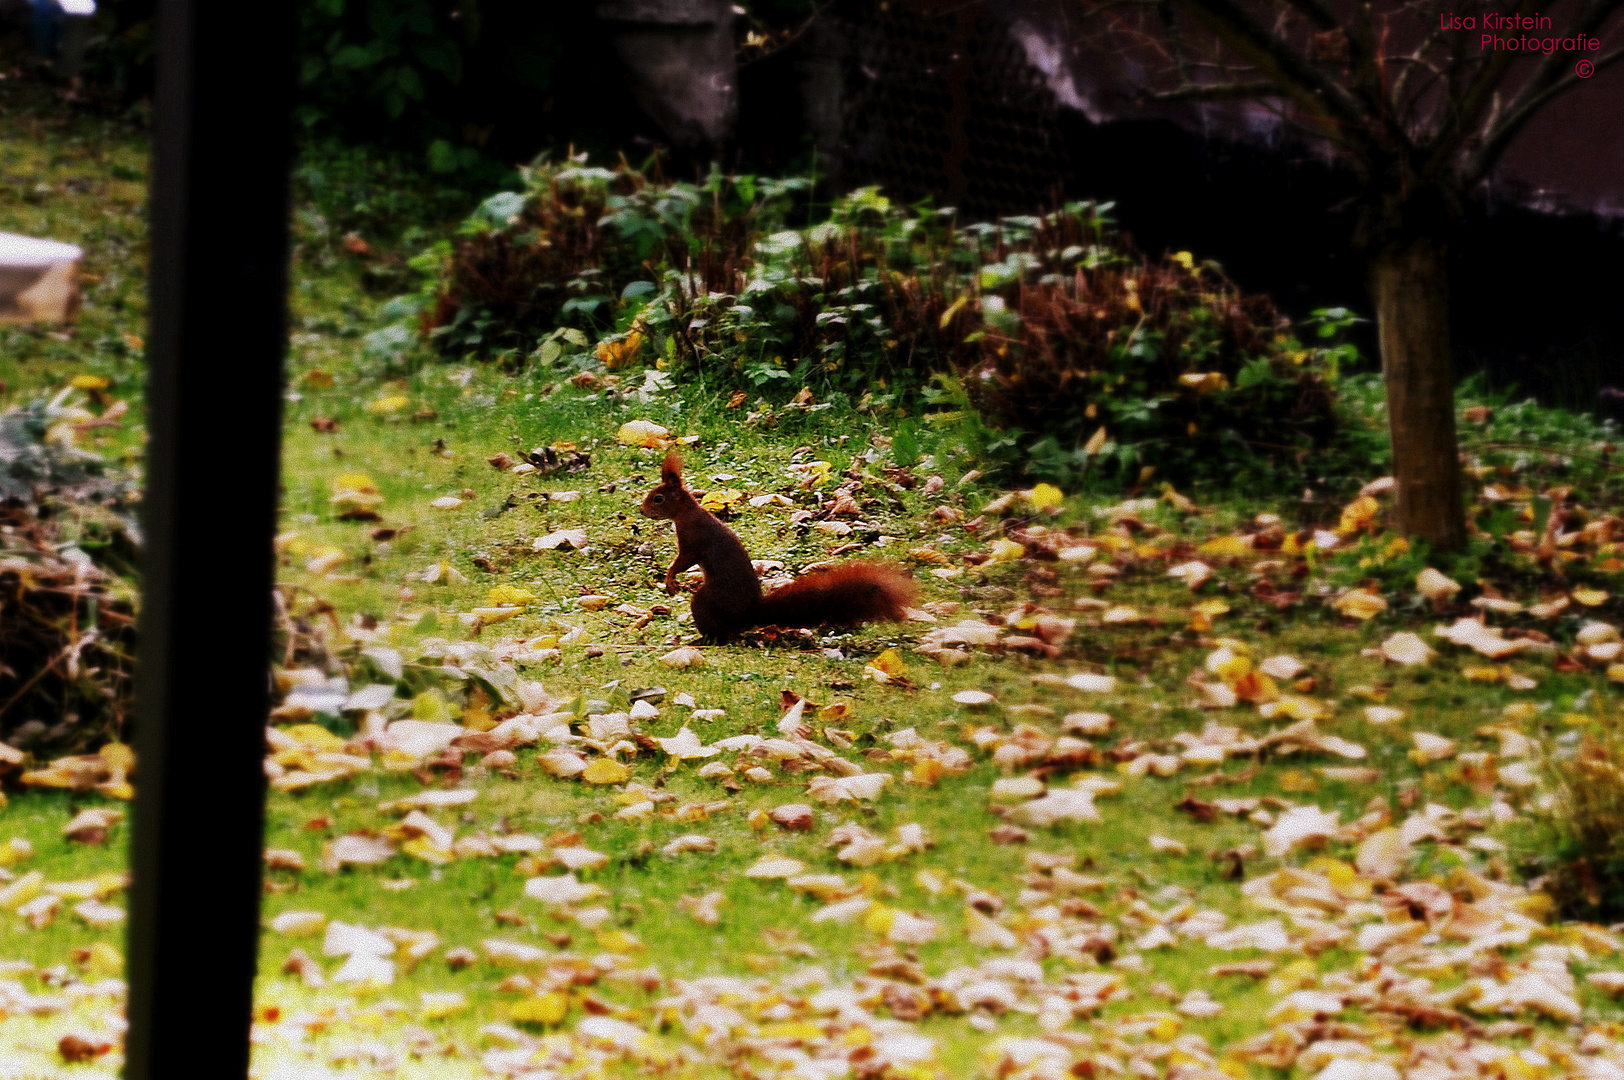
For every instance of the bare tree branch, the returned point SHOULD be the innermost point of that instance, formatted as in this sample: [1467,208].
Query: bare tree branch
[1416,59]
[1517,117]
[1320,96]
[1247,91]
[1317,13]
[1362,55]
[1535,89]
[1434,111]
[1467,109]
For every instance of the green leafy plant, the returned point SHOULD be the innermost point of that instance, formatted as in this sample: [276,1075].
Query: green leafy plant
[1052,327]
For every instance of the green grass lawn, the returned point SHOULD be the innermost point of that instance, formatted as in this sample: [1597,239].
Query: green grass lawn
[973,941]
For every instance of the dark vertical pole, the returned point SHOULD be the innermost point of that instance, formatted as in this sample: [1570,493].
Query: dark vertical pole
[218,276]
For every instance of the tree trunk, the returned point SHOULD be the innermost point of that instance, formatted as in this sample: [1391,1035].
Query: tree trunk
[1410,286]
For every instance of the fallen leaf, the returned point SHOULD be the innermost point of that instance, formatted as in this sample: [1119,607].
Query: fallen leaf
[1407,649]
[1301,826]
[775,866]
[644,433]
[1360,604]
[606,771]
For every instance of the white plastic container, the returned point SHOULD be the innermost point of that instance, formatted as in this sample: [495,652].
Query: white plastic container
[38,279]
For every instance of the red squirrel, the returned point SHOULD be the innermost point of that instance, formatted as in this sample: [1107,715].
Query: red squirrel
[730,600]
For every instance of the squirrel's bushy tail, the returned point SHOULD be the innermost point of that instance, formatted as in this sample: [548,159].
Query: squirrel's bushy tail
[854,592]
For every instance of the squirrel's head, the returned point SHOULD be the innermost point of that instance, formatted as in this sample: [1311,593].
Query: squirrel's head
[667,500]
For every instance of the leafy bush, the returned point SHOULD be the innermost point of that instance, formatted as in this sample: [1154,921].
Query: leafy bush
[1048,326]
[580,245]
[1170,361]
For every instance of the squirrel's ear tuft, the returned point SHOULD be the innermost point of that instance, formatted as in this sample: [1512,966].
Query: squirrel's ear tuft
[671,469]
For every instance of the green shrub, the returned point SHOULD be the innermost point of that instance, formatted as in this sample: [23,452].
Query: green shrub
[588,248]
[1050,327]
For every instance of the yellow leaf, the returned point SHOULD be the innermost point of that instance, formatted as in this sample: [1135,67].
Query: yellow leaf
[952,309]
[720,499]
[423,848]
[1297,975]
[1227,546]
[618,941]
[1211,608]
[105,960]
[119,757]
[1589,597]
[1358,514]
[1184,259]
[878,919]
[509,595]
[1095,444]
[812,473]
[1204,382]
[1296,781]
[618,354]
[1004,551]
[1044,496]
[1360,604]
[642,433]
[431,705]
[1302,708]
[90,382]
[890,662]
[1183,504]
[389,403]
[926,771]
[804,1030]
[1228,666]
[22,890]
[606,771]
[324,557]
[548,1008]
[316,738]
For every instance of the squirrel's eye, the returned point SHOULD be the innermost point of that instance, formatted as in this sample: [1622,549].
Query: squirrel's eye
[659,498]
